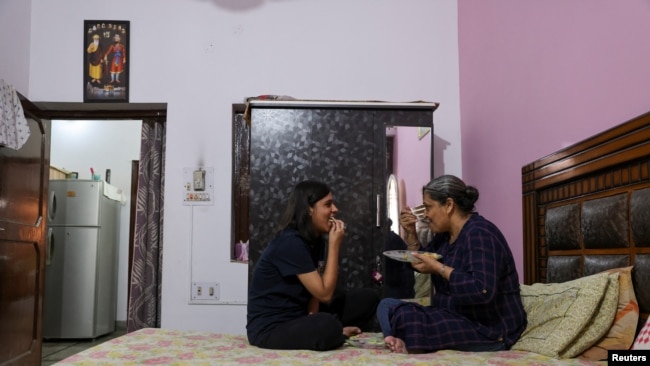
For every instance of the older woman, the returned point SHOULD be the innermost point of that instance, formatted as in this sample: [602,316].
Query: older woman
[476,304]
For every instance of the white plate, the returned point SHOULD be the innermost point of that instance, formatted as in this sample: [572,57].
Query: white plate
[405,255]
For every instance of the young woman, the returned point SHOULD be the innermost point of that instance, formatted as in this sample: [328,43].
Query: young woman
[293,305]
[477,304]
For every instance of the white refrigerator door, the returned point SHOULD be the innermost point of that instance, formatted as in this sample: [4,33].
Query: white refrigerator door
[74,202]
[70,283]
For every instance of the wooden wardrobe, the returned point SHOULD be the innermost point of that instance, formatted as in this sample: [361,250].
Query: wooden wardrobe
[342,144]
[24,177]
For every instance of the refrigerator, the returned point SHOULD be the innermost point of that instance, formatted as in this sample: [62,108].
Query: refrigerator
[81,259]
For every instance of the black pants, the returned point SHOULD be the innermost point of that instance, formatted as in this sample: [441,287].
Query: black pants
[324,330]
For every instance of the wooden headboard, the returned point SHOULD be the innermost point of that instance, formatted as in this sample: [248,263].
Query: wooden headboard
[586,208]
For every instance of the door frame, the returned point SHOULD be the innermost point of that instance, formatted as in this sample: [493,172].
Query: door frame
[101,111]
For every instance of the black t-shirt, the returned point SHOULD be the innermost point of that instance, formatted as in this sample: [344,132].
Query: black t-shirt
[276,295]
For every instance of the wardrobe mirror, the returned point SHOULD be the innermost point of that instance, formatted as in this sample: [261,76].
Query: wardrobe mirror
[409,162]
[408,169]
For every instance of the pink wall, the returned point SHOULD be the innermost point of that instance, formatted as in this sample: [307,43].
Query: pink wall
[537,76]
[412,164]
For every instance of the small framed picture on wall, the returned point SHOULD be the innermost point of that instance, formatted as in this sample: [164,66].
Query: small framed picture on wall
[106,56]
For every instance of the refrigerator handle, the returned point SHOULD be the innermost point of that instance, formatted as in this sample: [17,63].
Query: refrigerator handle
[51,207]
[49,247]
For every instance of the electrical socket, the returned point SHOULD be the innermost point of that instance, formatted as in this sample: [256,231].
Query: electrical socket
[205,291]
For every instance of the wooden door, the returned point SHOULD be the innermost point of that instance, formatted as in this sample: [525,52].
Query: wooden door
[23,196]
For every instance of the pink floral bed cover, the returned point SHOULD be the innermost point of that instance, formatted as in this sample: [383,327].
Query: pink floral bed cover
[178,347]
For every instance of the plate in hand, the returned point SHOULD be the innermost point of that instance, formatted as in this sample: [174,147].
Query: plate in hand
[405,255]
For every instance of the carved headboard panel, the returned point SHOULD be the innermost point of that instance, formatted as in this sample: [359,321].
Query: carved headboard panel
[587,209]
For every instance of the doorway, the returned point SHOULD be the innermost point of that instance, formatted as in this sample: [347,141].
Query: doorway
[96,135]
[83,148]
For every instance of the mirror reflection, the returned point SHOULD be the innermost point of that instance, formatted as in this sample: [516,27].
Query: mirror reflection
[408,168]
[392,203]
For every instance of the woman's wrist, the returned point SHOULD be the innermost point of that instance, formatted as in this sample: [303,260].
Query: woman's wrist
[443,270]
[412,239]
[414,244]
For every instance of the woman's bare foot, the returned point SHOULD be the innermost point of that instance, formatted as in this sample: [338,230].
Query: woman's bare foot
[395,344]
[351,331]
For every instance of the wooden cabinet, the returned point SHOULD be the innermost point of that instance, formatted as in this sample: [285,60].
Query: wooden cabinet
[340,144]
[23,196]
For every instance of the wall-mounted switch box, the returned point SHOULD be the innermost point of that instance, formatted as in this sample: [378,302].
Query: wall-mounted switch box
[199,179]
[198,187]
[204,292]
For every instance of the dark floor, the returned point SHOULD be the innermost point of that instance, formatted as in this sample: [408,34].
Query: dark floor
[54,351]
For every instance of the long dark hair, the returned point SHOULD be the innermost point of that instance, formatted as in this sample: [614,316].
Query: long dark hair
[449,186]
[296,215]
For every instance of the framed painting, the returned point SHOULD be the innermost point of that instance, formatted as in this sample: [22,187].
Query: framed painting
[106,55]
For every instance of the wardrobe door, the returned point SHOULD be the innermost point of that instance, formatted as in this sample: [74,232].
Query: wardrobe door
[23,194]
[409,157]
[333,145]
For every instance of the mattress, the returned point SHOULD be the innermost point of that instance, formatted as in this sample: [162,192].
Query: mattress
[151,346]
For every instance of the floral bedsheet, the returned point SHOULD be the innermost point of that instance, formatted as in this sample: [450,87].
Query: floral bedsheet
[177,347]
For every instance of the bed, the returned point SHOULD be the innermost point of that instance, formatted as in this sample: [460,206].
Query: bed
[586,218]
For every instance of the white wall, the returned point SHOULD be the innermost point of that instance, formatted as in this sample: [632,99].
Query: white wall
[200,56]
[78,145]
[15,25]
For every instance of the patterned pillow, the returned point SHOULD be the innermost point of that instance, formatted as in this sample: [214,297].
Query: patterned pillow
[601,321]
[643,339]
[621,334]
[559,312]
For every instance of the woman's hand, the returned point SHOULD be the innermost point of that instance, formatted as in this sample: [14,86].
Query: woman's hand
[426,264]
[322,287]
[337,232]
[407,221]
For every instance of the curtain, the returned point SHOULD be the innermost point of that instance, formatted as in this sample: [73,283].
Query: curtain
[146,273]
